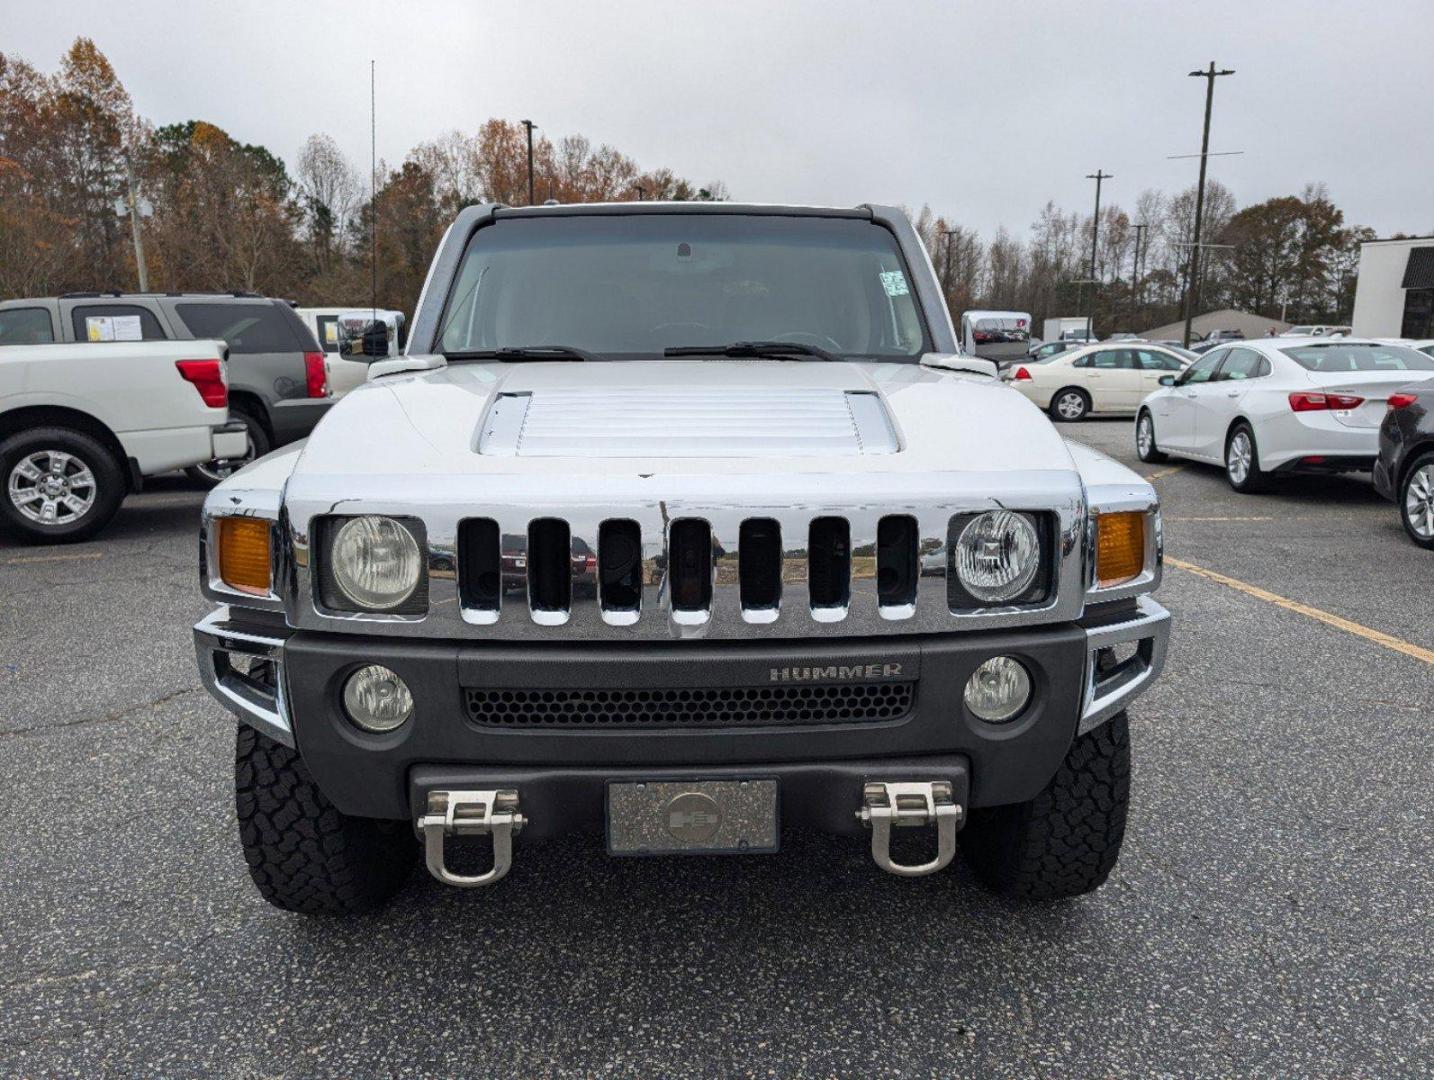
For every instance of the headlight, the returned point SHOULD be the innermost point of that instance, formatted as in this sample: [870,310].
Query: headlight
[997,556]
[376,699]
[998,690]
[377,563]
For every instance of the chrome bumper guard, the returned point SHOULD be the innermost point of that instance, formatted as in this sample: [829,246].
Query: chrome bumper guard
[1112,681]
[244,670]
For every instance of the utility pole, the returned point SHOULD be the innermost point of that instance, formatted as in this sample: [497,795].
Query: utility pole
[530,126]
[1097,176]
[946,269]
[1140,228]
[641,192]
[1191,284]
[134,227]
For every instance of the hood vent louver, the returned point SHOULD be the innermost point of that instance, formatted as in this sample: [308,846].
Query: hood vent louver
[673,422]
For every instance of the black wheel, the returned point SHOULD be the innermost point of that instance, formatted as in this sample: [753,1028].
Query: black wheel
[1065,841]
[211,472]
[1242,461]
[302,853]
[60,485]
[1070,404]
[1145,447]
[1416,501]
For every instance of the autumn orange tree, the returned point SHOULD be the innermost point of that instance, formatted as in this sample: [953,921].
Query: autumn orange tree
[224,214]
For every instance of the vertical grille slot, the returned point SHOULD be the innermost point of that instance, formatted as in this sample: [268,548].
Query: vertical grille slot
[759,564]
[480,568]
[896,561]
[690,564]
[829,562]
[549,565]
[620,565]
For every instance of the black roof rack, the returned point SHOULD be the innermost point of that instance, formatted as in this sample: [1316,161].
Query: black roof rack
[239,293]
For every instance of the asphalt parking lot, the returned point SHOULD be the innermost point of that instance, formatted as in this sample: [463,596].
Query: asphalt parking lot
[1272,914]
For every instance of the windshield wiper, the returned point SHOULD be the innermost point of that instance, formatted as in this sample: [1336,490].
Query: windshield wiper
[766,350]
[519,353]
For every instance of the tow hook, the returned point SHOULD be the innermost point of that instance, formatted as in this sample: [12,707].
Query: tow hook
[908,805]
[470,813]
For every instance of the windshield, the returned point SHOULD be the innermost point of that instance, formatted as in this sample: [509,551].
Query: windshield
[629,286]
[1359,357]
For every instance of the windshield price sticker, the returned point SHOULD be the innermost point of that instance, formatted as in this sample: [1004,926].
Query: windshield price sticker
[894,282]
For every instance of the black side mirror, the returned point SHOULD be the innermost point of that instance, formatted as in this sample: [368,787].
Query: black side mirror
[1167,380]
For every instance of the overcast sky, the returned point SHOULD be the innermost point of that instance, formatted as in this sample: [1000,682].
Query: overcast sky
[984,110]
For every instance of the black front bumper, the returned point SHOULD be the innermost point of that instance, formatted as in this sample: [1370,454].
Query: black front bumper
[369,775]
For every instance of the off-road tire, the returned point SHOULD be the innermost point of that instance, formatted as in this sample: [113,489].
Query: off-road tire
[1065,841]
[109,480]
[1151,455]
[208,475]
[302,853]
[1073,392]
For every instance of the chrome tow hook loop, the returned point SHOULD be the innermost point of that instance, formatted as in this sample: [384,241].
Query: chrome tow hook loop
[908,805]
[470,813]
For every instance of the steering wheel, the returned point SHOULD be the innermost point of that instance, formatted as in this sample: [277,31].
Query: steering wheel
[801,337]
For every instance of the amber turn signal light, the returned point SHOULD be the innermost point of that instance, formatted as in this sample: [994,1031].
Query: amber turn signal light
[244,554]
[1119,548]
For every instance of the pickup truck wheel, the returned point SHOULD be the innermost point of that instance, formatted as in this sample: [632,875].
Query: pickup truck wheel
[1065,841]
[60,485]
[303,854]
[1145,447]
[211,472]
[1070,404]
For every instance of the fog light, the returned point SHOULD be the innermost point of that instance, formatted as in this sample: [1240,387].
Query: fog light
[998,689]
[376,699]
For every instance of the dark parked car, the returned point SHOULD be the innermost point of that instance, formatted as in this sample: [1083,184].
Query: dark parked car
[278,386]
[1404,470]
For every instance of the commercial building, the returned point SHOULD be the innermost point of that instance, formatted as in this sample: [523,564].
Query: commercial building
[1394,296]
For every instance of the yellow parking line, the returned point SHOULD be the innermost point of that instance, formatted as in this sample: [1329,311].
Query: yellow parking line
[1399,645]
[56,558]
[1165,472]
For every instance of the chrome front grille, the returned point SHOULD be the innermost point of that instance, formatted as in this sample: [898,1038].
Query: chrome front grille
[745,559]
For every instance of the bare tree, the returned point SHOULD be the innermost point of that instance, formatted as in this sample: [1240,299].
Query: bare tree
[330,188]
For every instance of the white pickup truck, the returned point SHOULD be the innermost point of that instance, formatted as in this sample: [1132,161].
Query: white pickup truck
[82,424]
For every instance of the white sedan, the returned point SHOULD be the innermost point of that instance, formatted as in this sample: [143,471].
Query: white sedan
[1278,405]
[1096,379]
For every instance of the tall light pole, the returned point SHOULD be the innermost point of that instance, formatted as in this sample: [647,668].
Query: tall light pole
[1191,286]
[530,126]
[1098,176]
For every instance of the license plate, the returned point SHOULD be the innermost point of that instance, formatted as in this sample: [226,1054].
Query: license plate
[715,817]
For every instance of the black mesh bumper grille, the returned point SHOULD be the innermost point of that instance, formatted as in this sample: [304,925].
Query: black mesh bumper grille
[671,707]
